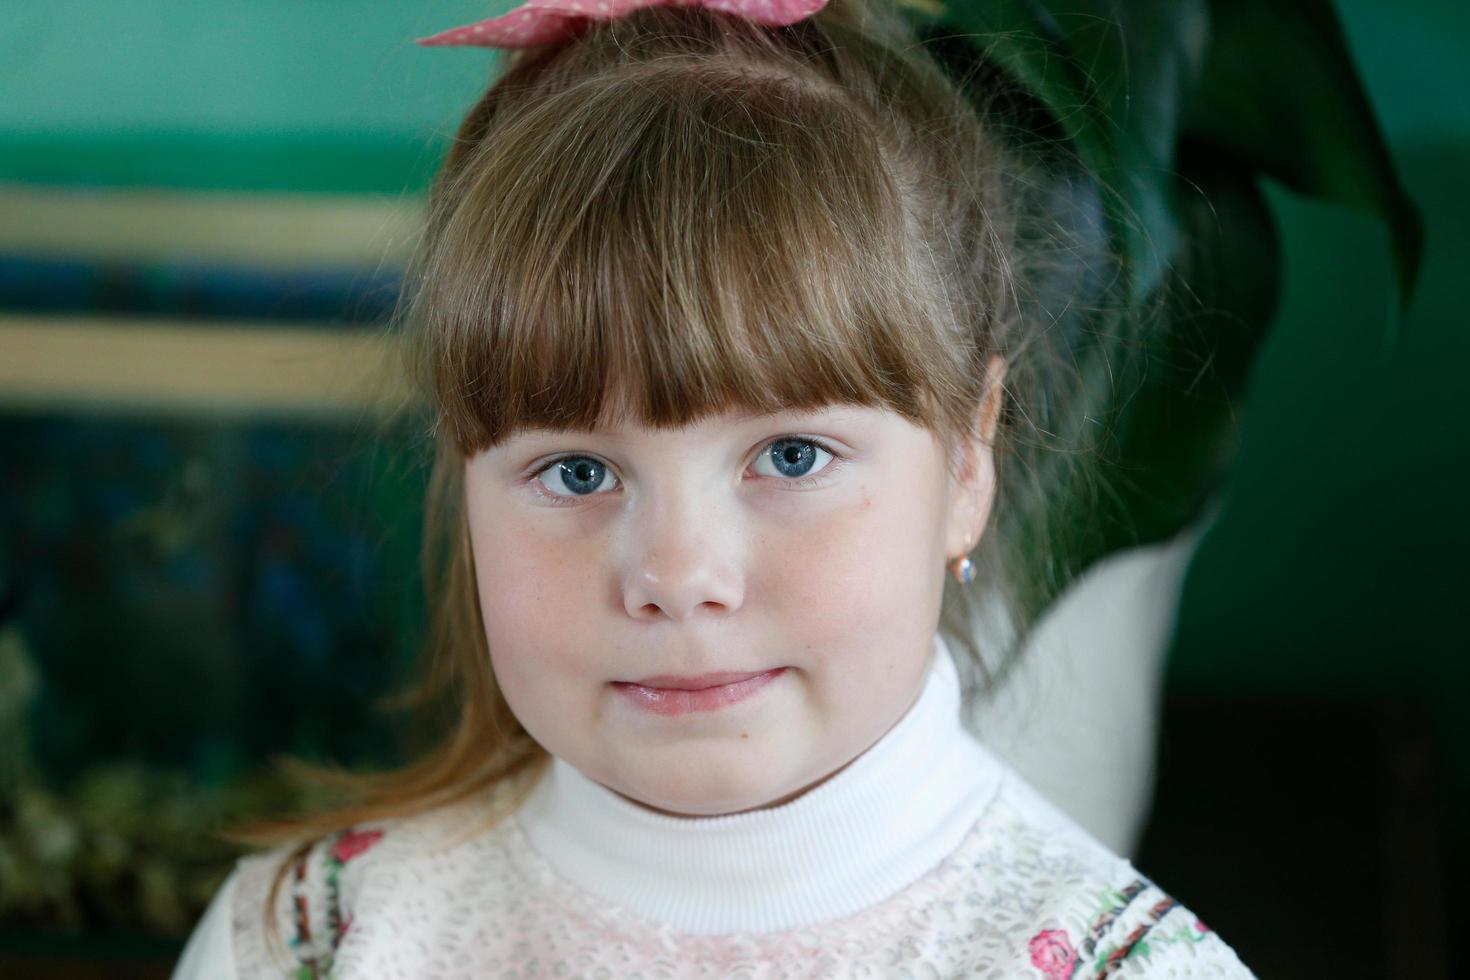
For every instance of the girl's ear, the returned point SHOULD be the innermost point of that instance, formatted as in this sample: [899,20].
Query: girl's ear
[990,405]
[973,492]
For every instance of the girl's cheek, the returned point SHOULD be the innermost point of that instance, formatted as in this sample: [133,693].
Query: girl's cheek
[534,607]
[529,575]
[828,567]
[537,591]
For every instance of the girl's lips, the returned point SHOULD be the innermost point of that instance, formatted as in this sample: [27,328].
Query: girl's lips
[679,701]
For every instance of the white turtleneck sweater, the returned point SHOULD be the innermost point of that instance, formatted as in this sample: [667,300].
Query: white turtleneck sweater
[927,856]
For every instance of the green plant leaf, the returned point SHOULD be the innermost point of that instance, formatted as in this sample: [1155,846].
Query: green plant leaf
[1173,109]
[1141,58]
[1113,76]
[1020,39]
[1224,289]
[1280,91]
[1179,432]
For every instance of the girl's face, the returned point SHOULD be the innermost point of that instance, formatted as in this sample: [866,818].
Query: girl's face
[814,542]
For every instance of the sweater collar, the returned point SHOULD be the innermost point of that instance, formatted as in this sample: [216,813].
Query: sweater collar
[878,825]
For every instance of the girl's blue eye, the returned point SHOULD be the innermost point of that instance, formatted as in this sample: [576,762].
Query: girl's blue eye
[581,476]
[793,458]
[578,476]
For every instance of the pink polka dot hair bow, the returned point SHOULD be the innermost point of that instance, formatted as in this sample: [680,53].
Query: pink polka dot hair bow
[544,21]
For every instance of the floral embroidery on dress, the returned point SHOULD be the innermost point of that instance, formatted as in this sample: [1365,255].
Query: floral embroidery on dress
[351,843]
[315,951]
[1053,954]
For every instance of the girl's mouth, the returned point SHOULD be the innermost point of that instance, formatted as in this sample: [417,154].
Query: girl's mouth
[679,701]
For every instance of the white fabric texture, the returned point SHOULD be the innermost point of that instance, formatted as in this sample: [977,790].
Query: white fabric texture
[210,949]
[928,856]
[1078,714]
[788,866]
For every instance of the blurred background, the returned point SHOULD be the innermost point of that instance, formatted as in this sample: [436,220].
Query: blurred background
[209,531]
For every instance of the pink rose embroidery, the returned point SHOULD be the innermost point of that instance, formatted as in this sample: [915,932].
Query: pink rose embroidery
[1052,954]
[353,843]
[1200,926]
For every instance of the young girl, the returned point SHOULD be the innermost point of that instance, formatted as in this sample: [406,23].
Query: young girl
[719,311]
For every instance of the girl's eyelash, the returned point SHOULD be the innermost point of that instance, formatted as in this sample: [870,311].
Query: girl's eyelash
[832,466]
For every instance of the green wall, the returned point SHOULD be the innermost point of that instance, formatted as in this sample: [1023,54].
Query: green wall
[272,94]
[1338,566]
[1337,569]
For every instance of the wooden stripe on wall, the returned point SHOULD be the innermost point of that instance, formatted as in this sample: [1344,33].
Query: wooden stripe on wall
[261,229]
[177,366]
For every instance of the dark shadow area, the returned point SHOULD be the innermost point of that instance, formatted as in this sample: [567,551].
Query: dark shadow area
[1308,833]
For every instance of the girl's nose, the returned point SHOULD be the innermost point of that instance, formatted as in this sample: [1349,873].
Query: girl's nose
[681,561]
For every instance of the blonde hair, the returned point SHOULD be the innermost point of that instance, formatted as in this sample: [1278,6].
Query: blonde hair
[686,213]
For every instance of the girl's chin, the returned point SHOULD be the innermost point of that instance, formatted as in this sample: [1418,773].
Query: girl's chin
[718,802]
[679,805]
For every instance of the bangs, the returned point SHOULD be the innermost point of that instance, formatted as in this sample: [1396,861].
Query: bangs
[697,256]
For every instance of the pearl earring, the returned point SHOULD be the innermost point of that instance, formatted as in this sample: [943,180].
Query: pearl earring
[962,569]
